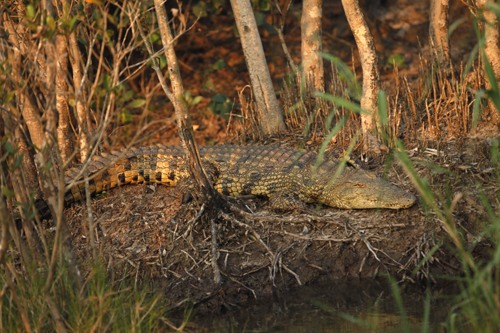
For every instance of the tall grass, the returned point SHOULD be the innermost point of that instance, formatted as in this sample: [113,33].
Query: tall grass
[105,305]
[477,307]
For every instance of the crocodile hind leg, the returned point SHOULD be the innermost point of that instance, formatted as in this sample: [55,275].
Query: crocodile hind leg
[185,187]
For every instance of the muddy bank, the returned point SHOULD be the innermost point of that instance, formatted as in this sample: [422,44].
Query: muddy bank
[144,233]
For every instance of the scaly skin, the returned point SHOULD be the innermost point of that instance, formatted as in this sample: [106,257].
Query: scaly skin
[288,177]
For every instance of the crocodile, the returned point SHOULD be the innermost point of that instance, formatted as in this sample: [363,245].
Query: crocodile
[290,178]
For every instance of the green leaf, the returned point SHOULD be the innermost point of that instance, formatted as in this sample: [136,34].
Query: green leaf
[18,162]
[216,4]
[161,60]
[397,60]
[345,74]
[196,100]
[219,98]
[8,96]
[209,85]
[137,103]
[339,101]
[221,106]
[477,108]
[128,95]
[200,9]
[106,81]
[260,18]
[7,193]
[126,117]
[153,38]
[9,148]
[270,29]
[51,23]
[219,64]
[82,41]
[72,23]
[264,5]
[30,10]
[382,108]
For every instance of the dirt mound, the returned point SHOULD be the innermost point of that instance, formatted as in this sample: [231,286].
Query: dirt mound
[145,233]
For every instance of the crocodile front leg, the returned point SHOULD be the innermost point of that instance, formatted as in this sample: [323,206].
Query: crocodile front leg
[287,199]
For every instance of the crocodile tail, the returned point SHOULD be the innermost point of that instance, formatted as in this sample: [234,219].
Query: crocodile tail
[155,164]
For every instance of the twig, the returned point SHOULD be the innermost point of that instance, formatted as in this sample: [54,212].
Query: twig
[55,314]
[215,266]
[280,29]
[16,299]
[191,222]
[241,284]
[367,243]
[89,214]
[309,238]
[293,273]
[246,226]
[305,218]
[190,257]
[5,234]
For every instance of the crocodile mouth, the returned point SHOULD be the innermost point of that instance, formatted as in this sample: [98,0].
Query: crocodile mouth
[405,200]
[401,201]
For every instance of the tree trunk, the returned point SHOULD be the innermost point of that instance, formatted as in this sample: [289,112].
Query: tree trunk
[184,126]
[371,75]
[50,82]
[64,126]
[30,114]
[204,187]
[82,116]
[312,63]
[492,51]
[271,119]
[438,35]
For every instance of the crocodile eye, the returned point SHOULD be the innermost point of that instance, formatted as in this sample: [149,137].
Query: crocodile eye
[360,185]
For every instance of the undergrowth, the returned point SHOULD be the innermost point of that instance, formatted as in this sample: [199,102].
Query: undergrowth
[103,306]
[477,307]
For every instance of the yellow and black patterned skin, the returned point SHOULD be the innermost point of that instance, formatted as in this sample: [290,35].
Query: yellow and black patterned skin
[290,178]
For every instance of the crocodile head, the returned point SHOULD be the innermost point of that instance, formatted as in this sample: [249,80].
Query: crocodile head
[359,189]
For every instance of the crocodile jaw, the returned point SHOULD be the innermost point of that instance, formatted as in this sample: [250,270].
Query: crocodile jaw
[364,190]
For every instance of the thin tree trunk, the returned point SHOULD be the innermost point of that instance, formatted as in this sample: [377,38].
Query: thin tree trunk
[82,116]
[271,119]
[204,187]
[50,82]
[54,196]
[25,183]
[371,75]
[492,51]
[24,180]
[312,63]
[438,34]
[64,126]
[30,114]
[184,126]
